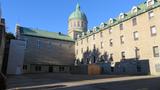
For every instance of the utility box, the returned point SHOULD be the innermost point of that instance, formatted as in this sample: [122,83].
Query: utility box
[94,69]
[90,69]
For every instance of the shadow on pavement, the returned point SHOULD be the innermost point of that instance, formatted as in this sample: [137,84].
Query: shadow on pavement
[49,78]
[143,84]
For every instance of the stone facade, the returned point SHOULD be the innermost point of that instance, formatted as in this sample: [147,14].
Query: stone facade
[41,53]
[48,52]
[132,35]
[2,40]
[16,57]
[128,44]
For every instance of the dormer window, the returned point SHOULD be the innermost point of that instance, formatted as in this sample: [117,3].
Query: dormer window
[102,25]
[78,36]
[95,29]
[121,16]
[111,20]
[134,9]
[150,2]
[83,33]
[88,32]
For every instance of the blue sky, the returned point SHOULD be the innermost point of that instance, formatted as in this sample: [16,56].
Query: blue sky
[52,15]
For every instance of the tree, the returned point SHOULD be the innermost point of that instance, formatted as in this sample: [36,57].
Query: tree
[9,36]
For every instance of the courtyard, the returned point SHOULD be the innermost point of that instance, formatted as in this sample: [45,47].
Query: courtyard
[53,81]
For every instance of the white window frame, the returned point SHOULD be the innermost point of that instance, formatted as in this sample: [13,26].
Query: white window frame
[136,35]
[150,2]
[121,16]
[122,39]
[134,9]
[150,14]
[153,30]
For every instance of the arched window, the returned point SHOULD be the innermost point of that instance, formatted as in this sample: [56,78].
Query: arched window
[70,24]
[82,24]
[78,24]
[74,24]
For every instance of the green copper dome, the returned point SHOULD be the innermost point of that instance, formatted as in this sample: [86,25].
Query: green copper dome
[78,14]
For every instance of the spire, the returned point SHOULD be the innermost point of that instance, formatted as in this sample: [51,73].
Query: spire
[78,7]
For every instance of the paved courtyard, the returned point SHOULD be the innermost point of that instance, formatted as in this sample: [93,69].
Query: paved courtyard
[51,81]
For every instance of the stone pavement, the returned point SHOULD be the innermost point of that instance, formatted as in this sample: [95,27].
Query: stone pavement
[82,82]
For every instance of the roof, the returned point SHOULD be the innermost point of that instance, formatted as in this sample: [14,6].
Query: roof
[78,14]
[142,8]
[43,34]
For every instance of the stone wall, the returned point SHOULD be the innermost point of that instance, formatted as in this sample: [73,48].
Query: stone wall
[16,57]
[145,42]
[48,51]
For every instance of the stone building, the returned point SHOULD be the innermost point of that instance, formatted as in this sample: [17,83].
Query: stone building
[44,51]
[2,40]
[132,35]
[127,44]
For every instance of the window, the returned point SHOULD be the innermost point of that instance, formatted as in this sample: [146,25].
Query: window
[82,23]
[121,26]
[81,41]
[87,39]
[78,24]
[123,55]
[87,48]
[94,29]
[24,67]
[137,52]
[101,34]
[111,21]
[111,42]
[110,30]
[111,57]
[77,52]
[74,24]
[150,2]
[136,35]
[150,14]
[49,44]
[61,68]
[102,25]
[134,9]
[93,36]
[38,44]
[82,50]
[155,51]
[26,43]
[101,45]
[94,46]
[153,30]
[134,21]
[122,16]
[38,68]
[77,43]
[71,24]
[122,39]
